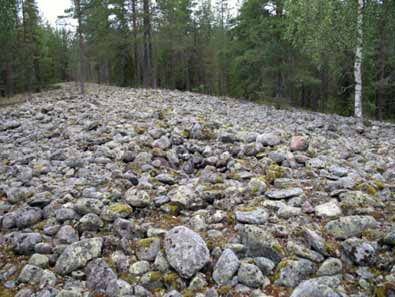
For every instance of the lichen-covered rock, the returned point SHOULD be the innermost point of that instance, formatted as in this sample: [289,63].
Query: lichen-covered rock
[261,243]
[283,194]
[186,251]
[24,243]
[330,266]
[148,248]
[257,216]
[360,251]
[251,276]
[349,226]
[328,210]
[226,267]
[78,254]
[99,276]
[292,272]
[318,287]
[138,198]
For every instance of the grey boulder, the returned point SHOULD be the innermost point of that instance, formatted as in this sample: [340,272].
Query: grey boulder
[186,251]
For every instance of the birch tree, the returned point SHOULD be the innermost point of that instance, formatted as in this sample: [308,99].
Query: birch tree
[358,63]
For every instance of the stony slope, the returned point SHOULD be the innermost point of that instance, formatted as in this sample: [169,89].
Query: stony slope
[162,193]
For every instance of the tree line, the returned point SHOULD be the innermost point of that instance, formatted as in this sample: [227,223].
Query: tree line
[325,55]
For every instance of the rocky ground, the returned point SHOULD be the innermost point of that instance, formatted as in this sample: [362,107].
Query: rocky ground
[129,192]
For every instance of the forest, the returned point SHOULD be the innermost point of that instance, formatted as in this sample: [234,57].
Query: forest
[303,53]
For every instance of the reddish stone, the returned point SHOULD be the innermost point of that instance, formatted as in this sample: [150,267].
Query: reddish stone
[299,143]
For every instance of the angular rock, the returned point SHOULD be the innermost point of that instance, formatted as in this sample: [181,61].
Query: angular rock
[251,276]
[260,243]
[350,226]
[328,210]
[186,251]
[292,272]
[226,267]
[78,254]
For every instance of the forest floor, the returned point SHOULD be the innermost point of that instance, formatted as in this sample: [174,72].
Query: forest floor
[133,192]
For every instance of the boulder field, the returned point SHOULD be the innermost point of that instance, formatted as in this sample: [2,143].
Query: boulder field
[132,192]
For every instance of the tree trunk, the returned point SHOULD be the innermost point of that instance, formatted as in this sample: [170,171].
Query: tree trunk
[382,58]
[27,45]
[358,63]
[82,47]
[137,71]
[8,79]
[147,67]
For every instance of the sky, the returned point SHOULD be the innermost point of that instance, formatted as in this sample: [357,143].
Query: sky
[50,9]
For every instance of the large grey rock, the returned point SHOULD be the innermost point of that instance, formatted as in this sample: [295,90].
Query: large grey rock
[35,275]
[186,251]
[360,251]
[226,267]
[350,226]
[24,243]
[99,276]
[292,272]
[78,254]
[28,217]
[261,243]
[318,287]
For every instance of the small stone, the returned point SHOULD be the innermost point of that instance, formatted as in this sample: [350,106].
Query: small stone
[283,194]
[139,268]
[268,139]
[166,179]
[330,266]
[287,212]
[299,143]
[39,260]
[257,186]
[138,198]
[257,216]
[265,265]
[148,248]
[328,210]
[90,222]
[251,276]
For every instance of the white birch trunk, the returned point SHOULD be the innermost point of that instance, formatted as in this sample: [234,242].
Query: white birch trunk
[358,63]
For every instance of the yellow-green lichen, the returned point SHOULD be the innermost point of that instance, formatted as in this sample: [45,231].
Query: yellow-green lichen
[146,242]
[365,187]
[155,276]
[121,209]
[273,172]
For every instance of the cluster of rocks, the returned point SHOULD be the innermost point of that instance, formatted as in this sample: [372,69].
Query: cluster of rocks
[127,192]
